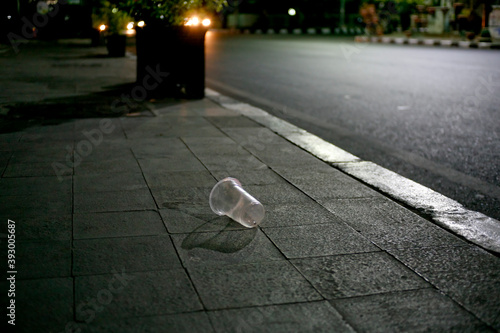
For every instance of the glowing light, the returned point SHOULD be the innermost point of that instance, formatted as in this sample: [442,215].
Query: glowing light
[130,25]
[102,27]
[192,21]
[206,22]
[140,24]
[292,12]
[114,10]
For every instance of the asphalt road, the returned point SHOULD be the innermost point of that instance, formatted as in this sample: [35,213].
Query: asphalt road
[430,114]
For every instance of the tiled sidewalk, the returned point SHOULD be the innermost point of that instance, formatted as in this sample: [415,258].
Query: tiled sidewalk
[122,239]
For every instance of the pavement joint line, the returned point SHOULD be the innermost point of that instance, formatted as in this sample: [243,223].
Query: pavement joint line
[476,227]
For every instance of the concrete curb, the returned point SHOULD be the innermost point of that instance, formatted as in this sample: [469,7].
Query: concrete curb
[445,212]
[426,41]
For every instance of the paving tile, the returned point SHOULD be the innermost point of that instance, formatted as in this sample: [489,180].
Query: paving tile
[34,185]
[44,228]
[96,135]
[178,323]
[138,124]
[42,155]
[233,121]
[176,131]
[232,162]
[120,165]
[481,298]
[47,137]
[181,222]
[92,124]
[192,122]
[44,305]
[161,150]
[277,194]
[284,154]
[5,155]
[444,266]
[175,198]
[273,282]
[424,310]
[35,146]
[43,259]
[202,142]
[100,256]
[358,275]
[113,201]
[38,169]
[163,179]
[250,177]
[117,224]
[225,247]
[109,182]
[300,317]
[135,294]
[4,159]
[389,225]
[108,151]
[254,137]
[328,183]
[10,140]
[213,111]
[174,163]
[318,240]
[218,112]
[169,146]
[283,215]
[219,149]
[41,204]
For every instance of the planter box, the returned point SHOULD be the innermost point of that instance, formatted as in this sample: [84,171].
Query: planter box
[178,51]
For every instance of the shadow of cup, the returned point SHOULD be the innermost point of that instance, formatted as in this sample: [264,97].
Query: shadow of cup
[221,235]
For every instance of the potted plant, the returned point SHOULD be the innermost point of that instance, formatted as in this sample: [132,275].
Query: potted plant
[112,23]
[171,40]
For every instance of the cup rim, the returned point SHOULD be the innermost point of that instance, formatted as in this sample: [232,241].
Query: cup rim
[227,179]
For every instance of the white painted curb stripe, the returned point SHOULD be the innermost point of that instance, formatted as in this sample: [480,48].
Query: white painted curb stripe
[450,214]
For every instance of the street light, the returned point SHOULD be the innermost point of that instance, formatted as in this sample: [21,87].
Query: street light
[292,12]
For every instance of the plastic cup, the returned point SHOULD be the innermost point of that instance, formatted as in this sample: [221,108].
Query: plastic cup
[229,198]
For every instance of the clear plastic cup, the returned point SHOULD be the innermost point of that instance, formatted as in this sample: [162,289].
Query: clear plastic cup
[229,198]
